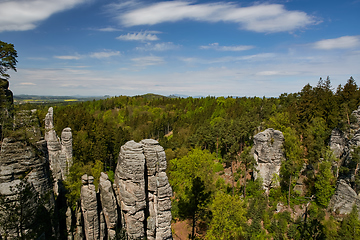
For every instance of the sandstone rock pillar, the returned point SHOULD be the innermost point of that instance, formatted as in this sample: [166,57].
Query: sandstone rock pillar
[89,208]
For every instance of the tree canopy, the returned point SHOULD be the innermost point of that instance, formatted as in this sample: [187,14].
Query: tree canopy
[8,56]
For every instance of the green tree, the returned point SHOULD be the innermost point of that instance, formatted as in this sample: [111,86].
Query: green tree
[228,221]
[324,183]
[350,226]
[8,56]
[192,180]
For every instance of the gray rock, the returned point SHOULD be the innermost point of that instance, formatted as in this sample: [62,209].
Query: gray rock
[344,198]
[78,235]
[109,205]
[159,191]
[68,224]
[268,154]
[24,162]
[130,184]
[143,190]
[60,151]
[89,208]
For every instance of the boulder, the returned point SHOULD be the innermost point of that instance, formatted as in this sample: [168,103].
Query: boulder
[344,198]
[268,154]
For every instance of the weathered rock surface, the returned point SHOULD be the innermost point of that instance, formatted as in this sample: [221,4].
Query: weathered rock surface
[129,178]
[268,154]
[25,160]
[60,151]
[89,208]
[344,198]
[342,144]
[109,205]
[143,190]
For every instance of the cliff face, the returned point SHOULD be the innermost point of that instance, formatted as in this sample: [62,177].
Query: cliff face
[268,154]
[24,160]
[60,151]
[343,145]
[138,201]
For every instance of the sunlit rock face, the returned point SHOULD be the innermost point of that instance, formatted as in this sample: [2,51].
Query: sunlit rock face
[89,208]
[60,151]
[268,154]
[109,205]
[143,190]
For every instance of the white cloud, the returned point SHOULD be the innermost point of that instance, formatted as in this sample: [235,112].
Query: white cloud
[338,43]
[147,61]
[109,29]
[21,15]
[105,54]
[258,18]
[68,57]
[27,84]
[140,36]
[158,47]
[216,46]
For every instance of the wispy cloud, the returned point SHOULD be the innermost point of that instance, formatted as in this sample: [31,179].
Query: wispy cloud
[68,57]
[147,61]
[20,15]
[102,54]
[338,43]
[217,47]
[140,36]
[259,18]
[105,54]
[158,47]
[109,29]
[27,84]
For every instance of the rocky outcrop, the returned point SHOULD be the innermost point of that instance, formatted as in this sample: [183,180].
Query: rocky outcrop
[158,191]
[130,181]
[60,151]
[109,205]
[268,154]
[344,198]
[143,190]
[24,160]
[89,208]
[343,145]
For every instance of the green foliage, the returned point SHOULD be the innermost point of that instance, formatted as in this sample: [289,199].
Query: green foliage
[8,56]
[324,184]
[228,218]
[350,226]
[197,163]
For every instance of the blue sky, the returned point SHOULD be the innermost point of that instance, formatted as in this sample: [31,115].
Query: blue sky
[196,48]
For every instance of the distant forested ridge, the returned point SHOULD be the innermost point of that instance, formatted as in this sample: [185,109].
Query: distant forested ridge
[214,135]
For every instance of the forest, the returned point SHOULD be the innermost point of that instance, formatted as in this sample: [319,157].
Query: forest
[208,143]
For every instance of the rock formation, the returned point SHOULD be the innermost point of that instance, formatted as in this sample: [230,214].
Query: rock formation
[60,151]
[129,178]
[89,208]
[268,154]
[344,198]
[143,190]
[342,144]
[109,205]
[24,160]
